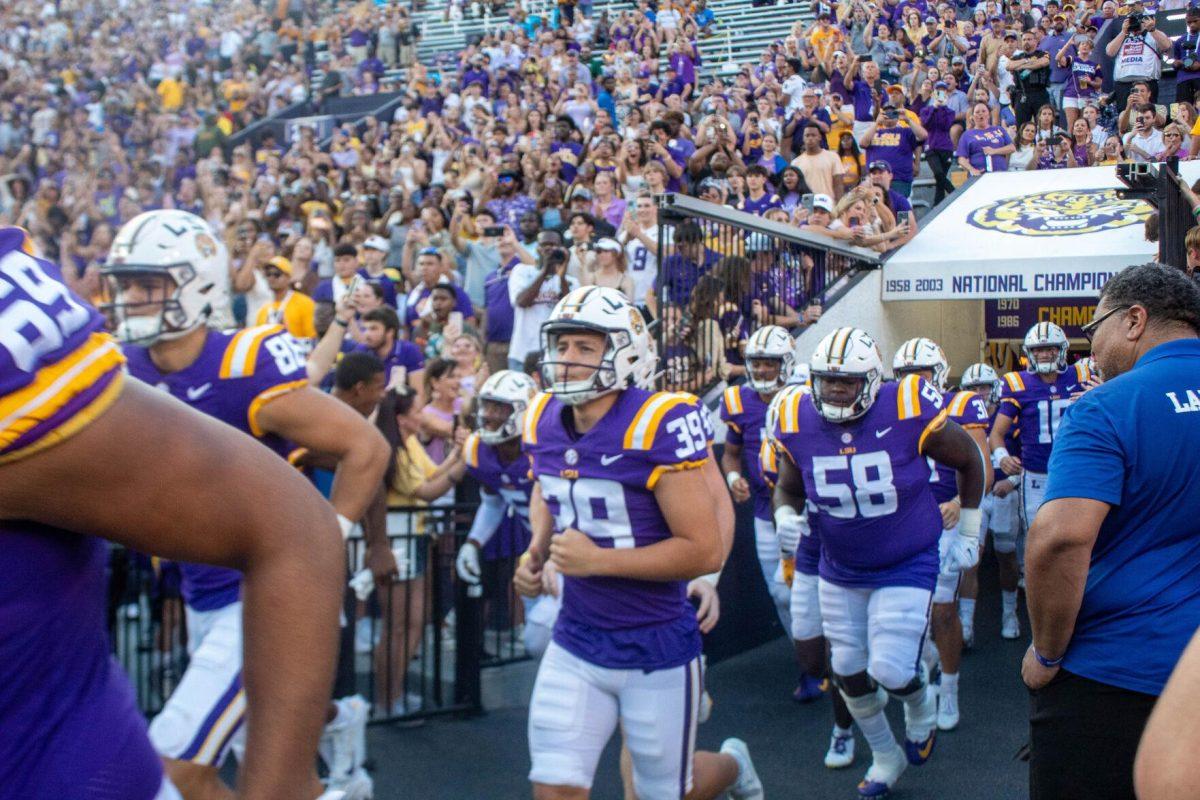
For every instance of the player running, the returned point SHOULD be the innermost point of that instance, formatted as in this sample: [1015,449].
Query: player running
[85,453]
[165,274]
[619,469]
[1033,402]
[925,358]
[856,452]
[801,552]
[494,458]
[770,362]
[1000,519]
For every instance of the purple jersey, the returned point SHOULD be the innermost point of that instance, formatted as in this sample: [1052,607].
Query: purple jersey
[760,206]
[868,485]
[69,726]
[969,411]
[1035,407]
[744,413]
[511,481]
[602,483]
[236,374]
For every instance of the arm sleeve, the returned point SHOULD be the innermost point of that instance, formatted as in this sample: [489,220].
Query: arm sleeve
[487,518]
[1088,460]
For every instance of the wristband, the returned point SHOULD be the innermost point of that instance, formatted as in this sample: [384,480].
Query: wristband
[998,455]
[732,477]
[1015,480]
[341,322]
[1048,663]
[346,525]
[711,579]
[970,521]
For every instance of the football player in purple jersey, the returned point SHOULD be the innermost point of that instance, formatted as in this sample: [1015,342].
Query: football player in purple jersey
[1033,402]
[86,453]
[1000,519]
[856,452]
[769,360]
[925,358]
[618,469]
[165,276]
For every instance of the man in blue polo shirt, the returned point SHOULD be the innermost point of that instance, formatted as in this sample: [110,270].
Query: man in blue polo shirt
[1113,557]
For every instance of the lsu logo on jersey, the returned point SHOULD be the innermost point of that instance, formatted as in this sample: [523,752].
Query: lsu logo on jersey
[1060,213]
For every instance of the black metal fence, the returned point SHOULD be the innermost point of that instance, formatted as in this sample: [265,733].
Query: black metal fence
[724,273]
[413,648]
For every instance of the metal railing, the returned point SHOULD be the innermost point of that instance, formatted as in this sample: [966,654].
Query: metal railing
[413,649]
[724,273]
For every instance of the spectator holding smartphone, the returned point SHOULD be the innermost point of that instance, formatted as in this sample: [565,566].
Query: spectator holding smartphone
[534,290]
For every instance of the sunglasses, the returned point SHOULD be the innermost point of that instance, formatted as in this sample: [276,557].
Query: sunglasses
[272,273]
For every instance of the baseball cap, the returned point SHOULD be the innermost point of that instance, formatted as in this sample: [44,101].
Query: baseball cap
[709,183]
[823,201]
[581,193]
[606,243]
[958,60]
[941,85]
[280,263]
[880,165]
[377,243]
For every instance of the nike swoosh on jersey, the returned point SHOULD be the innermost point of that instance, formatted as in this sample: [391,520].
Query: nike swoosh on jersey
[194,393]
[606,460]
[882,433]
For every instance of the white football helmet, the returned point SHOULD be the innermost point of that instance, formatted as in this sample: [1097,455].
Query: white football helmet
[801,375]
[170,244]
[630,358]
[920,354]
[1046,334]
[511,388]
[981,374]
[770,342]
[847,353]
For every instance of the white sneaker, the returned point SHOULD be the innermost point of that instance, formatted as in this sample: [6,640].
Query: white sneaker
[841,750]
[947,713]
[747,786]
[1010,626]
[885,770]
[968,629]
[342,738]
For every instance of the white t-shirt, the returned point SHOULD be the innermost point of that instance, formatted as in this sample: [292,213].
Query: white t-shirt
[640,263]
[1152,145]
[527,322]
[793,87]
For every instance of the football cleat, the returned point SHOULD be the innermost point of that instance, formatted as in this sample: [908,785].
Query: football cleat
[342,745]
[920,722]
[748,786]
[841,750]
[1010,626]
[810,689]
[885,770]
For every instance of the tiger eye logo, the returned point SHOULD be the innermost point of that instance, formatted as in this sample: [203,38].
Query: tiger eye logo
[636,322]
[1060,213]
[206,245]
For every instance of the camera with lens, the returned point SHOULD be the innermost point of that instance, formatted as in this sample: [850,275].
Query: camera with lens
[1136,20]
[556,256]
[1189,60]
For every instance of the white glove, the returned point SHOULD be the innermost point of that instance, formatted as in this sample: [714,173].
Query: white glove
[962,551]
[467,563]
[363,583]
[790,525]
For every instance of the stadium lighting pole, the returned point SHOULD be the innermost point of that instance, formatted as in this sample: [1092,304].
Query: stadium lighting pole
[1156,184]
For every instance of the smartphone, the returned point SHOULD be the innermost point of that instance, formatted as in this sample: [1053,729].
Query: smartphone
[806,200]
[355,282]
[456,320]
[493,230]
[417,225]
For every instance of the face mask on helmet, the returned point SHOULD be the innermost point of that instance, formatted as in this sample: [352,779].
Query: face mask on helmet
[766,375]
[1046,359]
[577,381]
[142,304]
[498,420]
[842,398]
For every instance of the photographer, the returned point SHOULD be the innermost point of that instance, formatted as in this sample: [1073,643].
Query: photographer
[887,139]
[1031,72]
[1187,63]
[534,291]
[714,136]
[1145,141]
[1137,54]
